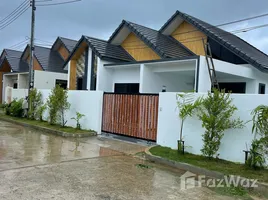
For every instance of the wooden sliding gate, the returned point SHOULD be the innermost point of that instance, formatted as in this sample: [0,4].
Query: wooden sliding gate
[133,115]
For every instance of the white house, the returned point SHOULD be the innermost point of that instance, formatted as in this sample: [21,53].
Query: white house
[140,59]
[48,69]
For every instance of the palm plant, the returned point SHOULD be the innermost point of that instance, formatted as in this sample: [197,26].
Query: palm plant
[187,107]
[260,120]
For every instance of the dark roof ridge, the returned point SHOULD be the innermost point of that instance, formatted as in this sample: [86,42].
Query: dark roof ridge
[67,39]
[95,38]
[141,25]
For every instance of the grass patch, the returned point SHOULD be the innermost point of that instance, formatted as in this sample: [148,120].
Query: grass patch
[223,166]
[66,129]
[233,192]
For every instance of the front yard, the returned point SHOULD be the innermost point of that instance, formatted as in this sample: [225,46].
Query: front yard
[47,125]
[223,166]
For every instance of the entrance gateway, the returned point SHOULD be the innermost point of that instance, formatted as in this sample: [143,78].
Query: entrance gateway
[133,115]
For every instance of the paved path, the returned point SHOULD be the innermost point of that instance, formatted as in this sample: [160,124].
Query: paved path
[34,165]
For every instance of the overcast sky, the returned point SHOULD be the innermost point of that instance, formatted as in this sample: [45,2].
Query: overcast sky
[99,18]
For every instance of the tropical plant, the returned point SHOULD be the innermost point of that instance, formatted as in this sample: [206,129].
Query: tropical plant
[215,113]
[260,120]
[259,145]
[35,99]
[57,105]
[256,158]
[15,108]
[77,119]
[187,107]
[40,111]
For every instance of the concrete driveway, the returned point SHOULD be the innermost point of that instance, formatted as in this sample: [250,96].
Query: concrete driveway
[34,165]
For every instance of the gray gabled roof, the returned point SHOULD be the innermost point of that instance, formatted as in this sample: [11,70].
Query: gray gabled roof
[239,47]
[164,46]
[49,60]
[13,58]
[68,43]
[104,50]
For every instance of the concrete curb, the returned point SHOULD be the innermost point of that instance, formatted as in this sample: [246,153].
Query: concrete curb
[50,131]
[262,187]
[183,166]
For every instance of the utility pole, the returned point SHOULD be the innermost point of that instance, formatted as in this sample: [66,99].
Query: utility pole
[31,64]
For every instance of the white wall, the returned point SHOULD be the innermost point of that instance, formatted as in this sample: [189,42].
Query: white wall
[47,80]
[89,103]
[251,74]
[233,142]
[126,75]
[23,81]
[104,77]
[153,82]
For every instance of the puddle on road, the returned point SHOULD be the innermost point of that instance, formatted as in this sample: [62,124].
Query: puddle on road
[21,146]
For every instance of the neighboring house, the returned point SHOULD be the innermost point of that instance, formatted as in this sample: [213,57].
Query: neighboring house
[139,59]
[47,66]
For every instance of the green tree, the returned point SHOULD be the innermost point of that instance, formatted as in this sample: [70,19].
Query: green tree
[35,99]
[215,113]
[187,107]
[40,112]
[57,104]
[64,105]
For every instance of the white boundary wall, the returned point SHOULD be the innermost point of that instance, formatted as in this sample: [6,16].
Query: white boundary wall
[233,142]
[88,103]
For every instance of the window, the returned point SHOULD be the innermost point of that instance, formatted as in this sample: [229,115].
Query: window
[15,85]
[62,83]
[80,83]
[233,87]
[261,88]
[126,88]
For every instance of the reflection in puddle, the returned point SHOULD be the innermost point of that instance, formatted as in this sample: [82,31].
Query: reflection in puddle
[21,146]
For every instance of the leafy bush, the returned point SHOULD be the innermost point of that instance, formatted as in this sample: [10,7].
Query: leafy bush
[40,111]
[215,113]
[77,119]
[15,108]
[57,105]
[256,158]
[35,99]
[259,147]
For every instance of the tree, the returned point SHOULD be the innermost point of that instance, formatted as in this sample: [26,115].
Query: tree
[64,105]
[215,113]
[187,107]
[35,99]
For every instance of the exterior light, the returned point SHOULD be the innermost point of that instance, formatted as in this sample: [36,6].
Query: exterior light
[164,88]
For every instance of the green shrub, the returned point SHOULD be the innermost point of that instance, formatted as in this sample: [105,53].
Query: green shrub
[40,111]
[216,114]
[7,108]
[77,119]
[16,108]
[57,105]
[35,99]
[256,158]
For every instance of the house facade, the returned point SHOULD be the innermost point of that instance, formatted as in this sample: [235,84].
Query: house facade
[140,59]
[47,67]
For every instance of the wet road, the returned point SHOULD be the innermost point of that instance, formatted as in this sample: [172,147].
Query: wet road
[40,166]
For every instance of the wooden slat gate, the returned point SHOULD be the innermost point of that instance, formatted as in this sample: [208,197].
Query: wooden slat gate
[133,115]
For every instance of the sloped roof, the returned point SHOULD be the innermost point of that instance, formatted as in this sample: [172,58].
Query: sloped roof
[13,58]
[105,50]
[68,43]
[48,59]
[164,46]
[230,41]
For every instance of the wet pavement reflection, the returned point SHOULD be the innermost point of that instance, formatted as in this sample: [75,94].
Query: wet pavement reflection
[21,146]
[35,165]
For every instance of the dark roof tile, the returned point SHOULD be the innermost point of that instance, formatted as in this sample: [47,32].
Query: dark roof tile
[105,50]
[230,41]
[163,45]
[69,43]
